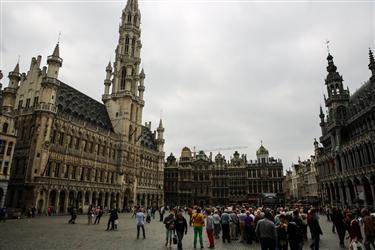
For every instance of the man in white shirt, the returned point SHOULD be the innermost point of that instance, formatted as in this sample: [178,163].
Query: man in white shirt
[217,226]
[140,220]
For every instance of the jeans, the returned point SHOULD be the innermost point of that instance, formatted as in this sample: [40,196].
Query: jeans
[210,236]
[198,233]
[233,230]
[226,236]
[180,235]
[168,235]
[249,234]
[315,244]
[341,234]
[217,230]
[97,219]
[112,223]
[267,244]
[143,230]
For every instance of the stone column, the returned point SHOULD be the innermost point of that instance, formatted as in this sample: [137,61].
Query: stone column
[90,198]
[57,203]
[348,194]
[66,202]
[109,201]
[341,191]
[46,204]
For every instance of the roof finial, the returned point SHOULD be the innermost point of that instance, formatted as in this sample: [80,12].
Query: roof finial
[327,43]
[261,142]
[58,37]
[18,60]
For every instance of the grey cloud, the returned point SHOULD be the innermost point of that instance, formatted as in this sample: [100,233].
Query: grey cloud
[223,73]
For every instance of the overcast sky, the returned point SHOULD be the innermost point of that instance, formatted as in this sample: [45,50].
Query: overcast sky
[224,73]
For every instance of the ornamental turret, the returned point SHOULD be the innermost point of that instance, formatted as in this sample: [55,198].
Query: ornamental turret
[107,81]
[10,92]
[337,95]
[14,77]
[322,122]
[371,65]
[50,82]
[160,139]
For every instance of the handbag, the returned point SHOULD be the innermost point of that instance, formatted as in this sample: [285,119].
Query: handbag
[175,239]
[116,222]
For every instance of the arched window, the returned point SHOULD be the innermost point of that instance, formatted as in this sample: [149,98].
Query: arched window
[131,111]
[123,76]
[5,127]
[136,20]
[129,18]
[130,132]
[126,44]
[133,46]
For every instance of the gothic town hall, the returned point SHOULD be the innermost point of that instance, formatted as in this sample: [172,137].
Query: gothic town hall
[72,150]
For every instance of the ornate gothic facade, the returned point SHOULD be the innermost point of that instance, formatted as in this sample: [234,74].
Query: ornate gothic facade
[346,160]
[197,179]
[72,150]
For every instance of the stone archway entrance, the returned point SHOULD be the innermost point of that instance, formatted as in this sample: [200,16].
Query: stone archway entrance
[52,199]
[71,199]
[62,202]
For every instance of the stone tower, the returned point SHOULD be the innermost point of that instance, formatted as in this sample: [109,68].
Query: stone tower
[9,93]
[124,83]
[337,103]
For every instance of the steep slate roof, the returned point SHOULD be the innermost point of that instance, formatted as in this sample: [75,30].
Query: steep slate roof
[148,139]
[72,101]
[363,98]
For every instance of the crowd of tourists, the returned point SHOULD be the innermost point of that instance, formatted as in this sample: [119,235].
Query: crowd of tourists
[280,228]
[273,229]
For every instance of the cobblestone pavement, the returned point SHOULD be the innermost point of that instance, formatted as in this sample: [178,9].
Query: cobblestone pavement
[55,233]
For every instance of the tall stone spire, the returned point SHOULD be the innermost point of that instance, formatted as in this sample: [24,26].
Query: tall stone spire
[371,65]
[123,95]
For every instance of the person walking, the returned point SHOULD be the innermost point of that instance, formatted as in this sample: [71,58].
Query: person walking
[161,213]
[217,226]
[210,229]
[73,215]
[249,228]
[90,215]
[225,219]
[315,229]
[233,225]
[295,234]
[111,221]
[198,224]
[338,221]
[282,235]
[140,222]
[266,232]
[180,226]
[169,226]
[99,214]
[354,228]
[369,229]
[241,217]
